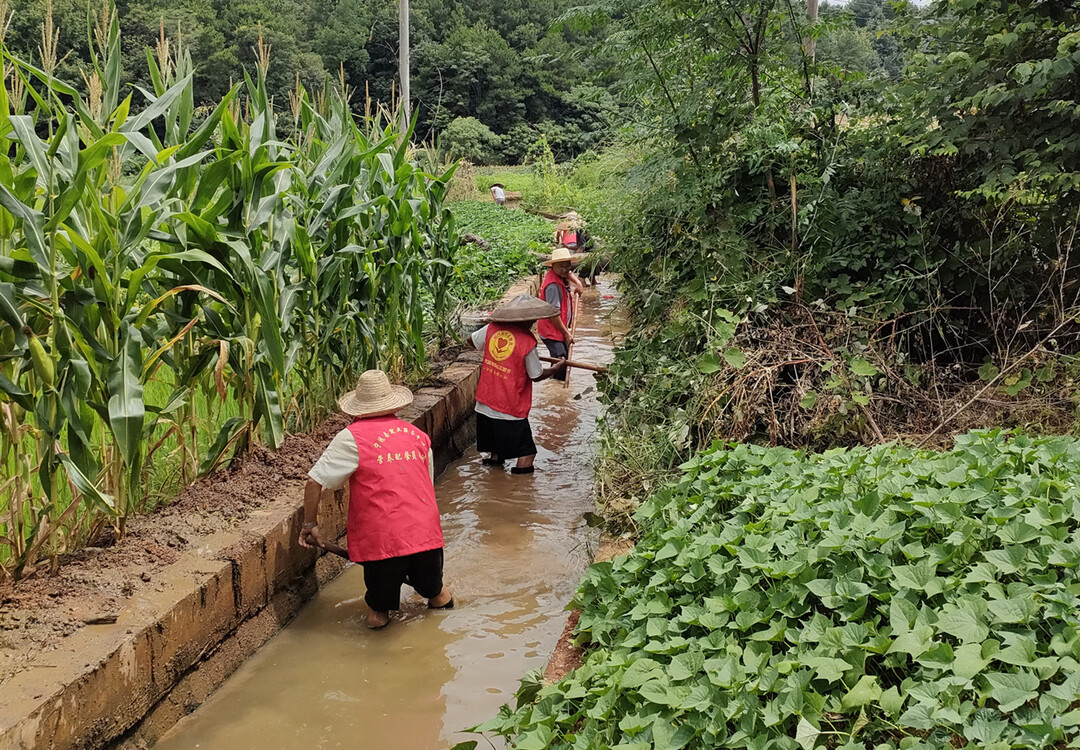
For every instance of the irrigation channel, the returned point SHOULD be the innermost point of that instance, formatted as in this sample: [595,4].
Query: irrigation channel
[516,547]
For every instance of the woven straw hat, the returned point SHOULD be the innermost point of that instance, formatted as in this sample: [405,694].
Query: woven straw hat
[573,220]
[524,308]
[374,396]
[561,254]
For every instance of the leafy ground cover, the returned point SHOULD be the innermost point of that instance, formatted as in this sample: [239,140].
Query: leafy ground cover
[882,597]
[515,236]
[516,179]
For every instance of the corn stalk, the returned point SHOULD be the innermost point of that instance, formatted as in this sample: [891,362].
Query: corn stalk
[168,287]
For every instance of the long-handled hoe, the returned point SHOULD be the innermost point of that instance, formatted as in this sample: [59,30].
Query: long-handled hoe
[579,365]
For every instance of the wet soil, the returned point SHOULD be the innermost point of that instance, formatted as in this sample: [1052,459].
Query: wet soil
[516,547]
[90,586]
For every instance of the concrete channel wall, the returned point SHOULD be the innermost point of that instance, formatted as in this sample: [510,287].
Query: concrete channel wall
[122,685]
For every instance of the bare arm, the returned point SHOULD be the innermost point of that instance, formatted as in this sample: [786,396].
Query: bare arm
[567,336]
[551,371]
[309,534]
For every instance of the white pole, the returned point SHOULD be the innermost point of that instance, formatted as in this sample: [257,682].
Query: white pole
[403,61]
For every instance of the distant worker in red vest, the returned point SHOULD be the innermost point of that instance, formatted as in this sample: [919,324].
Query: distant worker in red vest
[557,289]
[393,527]
[571,232]
[504,394]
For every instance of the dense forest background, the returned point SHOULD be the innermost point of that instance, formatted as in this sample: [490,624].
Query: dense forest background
[492,76]
[504,70]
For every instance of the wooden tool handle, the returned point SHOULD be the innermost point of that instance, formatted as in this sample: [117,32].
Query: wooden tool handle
[335,549]
[579,365]
[573,333]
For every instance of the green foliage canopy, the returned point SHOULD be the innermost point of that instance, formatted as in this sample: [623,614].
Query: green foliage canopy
[507,64]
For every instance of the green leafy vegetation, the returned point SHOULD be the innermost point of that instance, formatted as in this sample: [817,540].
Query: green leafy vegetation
[814,216]
[520,179]
[516,237]
[469,139]
[883,597]
[177,287]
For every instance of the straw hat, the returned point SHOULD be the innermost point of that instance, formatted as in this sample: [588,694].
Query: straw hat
[561,254]
[573,219]
[497,184]
[524,308]
[374,396]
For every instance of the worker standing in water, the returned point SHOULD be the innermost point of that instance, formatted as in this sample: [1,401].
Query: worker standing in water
[394,530]
[557,289]
[504,393]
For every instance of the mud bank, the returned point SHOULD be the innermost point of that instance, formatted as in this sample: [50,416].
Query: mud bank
[125,640]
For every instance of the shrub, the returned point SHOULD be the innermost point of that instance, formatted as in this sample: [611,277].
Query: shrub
[873,597]
[469,139]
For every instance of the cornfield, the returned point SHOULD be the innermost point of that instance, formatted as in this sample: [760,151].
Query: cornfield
[178,285]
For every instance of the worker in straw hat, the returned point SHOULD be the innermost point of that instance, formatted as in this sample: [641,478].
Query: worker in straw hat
[504,393]
[572,233]
[557,288]
[568,230]
[394,530]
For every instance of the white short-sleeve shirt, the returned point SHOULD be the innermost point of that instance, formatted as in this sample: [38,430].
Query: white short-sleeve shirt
[533,368]
[341,459]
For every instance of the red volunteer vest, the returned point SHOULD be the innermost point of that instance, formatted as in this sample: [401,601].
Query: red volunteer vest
[392,509]
[504,384]
[545,327]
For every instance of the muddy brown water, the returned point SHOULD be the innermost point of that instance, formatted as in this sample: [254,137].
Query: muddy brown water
[516,547]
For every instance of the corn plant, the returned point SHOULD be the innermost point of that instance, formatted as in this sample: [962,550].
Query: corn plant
[153,272]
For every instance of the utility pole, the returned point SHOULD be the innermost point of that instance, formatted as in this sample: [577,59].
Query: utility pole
[812,14]
[403,61]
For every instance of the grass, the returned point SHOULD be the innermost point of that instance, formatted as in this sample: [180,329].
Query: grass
[515,179]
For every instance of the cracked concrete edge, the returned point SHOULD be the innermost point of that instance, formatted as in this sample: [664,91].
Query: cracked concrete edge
[126,683]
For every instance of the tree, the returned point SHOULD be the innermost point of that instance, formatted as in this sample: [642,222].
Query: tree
[1007,80]
[469,139]
[473,73]
[341,40]
[193,23]
[848,49]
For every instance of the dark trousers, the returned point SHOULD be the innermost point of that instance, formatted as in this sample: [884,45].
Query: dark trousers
[558,350]
[383,578]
